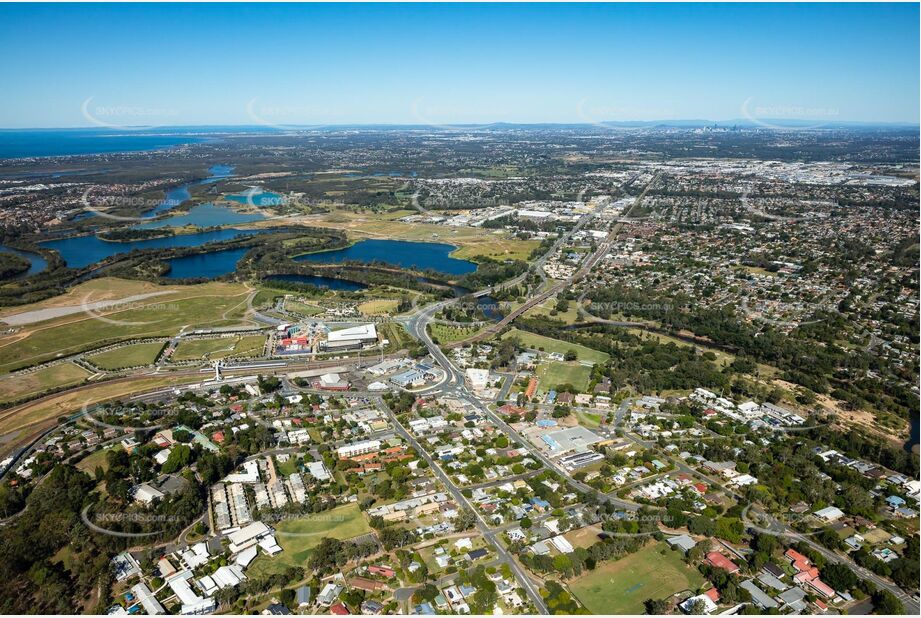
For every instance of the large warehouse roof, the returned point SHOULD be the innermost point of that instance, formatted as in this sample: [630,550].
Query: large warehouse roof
[355,333]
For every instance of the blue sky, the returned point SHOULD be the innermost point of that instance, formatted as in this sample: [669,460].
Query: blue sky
[67,65]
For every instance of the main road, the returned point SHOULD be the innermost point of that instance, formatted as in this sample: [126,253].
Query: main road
[488,534]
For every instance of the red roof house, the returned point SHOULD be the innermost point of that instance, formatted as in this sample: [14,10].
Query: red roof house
[719,561]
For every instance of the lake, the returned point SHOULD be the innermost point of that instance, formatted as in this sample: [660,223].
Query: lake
[81,251]
[321,282]
[203,215]
[208,265]
[36,262]
[255,196]
[401,253]
[175,197]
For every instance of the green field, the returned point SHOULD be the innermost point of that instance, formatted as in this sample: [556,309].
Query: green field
[35,382]
[539,342]
[621,587]
[554,373]
[298,537]
[304,309]
[379,306]
[570,316]
[95,459]
[287,468]
[588,419]
[194,349]
[446,333]
[210,304]
[128,356]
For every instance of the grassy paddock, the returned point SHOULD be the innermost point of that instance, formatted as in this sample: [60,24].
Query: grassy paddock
[210,304]
[128,356]
[555,373]
[620,587]
[223,347]
[537,342]
[298,537]
[64,404]
[35,382]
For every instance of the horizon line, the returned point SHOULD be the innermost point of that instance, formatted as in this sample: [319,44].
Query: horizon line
[765,123]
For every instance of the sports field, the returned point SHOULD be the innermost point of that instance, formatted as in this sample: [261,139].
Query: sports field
[195,349]
[128,356]
[554,373]
[621,587]
[298,536]
[547,344]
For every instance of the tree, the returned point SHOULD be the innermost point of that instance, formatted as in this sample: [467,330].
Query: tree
[839,576]
[179,457]
[697,607]
[884,602]
[655,607]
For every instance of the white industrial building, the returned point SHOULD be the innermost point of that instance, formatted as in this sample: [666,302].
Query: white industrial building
[351,338]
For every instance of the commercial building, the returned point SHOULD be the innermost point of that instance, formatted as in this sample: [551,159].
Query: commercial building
[351,338]
[358,448]
[477,379]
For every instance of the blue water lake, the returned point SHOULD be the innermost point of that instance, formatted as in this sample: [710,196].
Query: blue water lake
[255,196]
[203,215]
[401,253]
[175,197]
[36,262]
[81,251]
[208,265]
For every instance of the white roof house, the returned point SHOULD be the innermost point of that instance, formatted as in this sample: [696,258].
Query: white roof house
[146,494]
[192,603]
[829,513]
[147,600]
[248,536]
[562,545]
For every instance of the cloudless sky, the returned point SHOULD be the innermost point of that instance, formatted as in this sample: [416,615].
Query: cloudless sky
[287,64]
